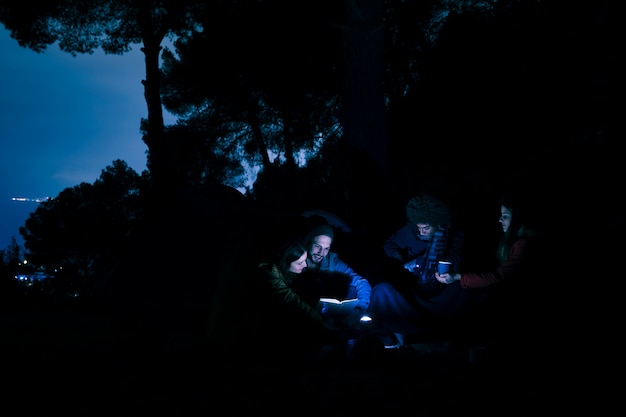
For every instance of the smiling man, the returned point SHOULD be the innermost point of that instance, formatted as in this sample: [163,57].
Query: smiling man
[329,276]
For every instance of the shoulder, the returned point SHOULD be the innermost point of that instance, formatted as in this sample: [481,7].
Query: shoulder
[522,242]
[269,270]
[458,234]
[333,260]
[333,256]
[529,243]
[265,267]
[406,229]
[453,230]
[523,247]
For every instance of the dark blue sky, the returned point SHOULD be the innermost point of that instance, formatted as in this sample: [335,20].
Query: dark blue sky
[63,119]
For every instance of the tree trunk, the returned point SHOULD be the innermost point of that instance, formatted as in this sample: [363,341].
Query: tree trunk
[364,118]
[161,158]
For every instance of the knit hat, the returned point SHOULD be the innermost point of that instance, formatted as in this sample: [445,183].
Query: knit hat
[321,229]
[426,209]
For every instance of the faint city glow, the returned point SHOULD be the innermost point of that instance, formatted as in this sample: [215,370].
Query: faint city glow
[36,276]
[35,200]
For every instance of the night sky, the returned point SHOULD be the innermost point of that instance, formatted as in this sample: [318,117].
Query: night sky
[63,119]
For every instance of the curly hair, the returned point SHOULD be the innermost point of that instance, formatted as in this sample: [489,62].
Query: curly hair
[427,209]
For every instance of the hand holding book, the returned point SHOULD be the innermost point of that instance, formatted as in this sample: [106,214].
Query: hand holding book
[336,309]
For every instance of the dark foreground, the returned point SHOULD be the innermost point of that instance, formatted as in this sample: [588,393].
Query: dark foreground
[75,365]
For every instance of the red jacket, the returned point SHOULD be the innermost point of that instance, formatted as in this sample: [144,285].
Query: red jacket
[515,266]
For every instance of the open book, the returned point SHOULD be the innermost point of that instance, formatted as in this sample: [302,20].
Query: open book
[332,307]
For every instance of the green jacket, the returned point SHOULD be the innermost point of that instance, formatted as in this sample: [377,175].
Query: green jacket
[261,315]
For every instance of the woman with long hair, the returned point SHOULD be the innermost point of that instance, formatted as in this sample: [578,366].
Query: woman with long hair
[513,309]
[513,251]
[258,318]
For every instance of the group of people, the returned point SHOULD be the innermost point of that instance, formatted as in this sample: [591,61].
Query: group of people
[272,310]
[270,306]
[460,306]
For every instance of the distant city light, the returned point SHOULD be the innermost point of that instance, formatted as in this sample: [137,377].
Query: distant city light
[36,200]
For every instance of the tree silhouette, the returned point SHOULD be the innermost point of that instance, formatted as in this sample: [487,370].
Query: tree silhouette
[253,86]
[85,228]
[115,26]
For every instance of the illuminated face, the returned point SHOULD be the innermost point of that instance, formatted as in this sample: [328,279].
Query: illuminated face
[425,231]
[319,248]
[505,218]
[299,264]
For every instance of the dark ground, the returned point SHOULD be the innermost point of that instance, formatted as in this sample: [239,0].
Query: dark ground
[69,363]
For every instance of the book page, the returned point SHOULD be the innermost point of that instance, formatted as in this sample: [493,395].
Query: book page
[331,307]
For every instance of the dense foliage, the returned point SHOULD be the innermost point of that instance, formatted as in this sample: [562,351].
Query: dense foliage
[82,233]
[342,106]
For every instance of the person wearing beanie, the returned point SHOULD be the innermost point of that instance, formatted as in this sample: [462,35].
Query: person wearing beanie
[331,276]
[411,301]
[320,230]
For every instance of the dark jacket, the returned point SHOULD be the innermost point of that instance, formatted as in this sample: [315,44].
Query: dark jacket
[405,245]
